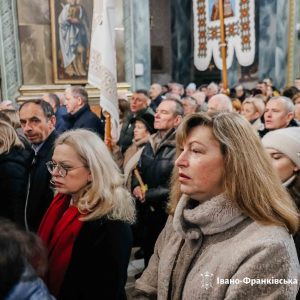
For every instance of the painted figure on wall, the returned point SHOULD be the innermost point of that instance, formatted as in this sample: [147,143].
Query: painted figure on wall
[74,38]
[228,10]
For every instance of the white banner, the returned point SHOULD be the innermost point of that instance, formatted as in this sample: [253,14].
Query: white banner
[102,68]
[239,28]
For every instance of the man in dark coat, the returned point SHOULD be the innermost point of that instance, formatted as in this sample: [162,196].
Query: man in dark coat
[38,124]
[279,113]
[155,166]
[79,112]
[138,106]
[59,111]
[155,95]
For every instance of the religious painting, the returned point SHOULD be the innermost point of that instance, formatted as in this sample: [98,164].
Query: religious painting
[71,25]
[229,9]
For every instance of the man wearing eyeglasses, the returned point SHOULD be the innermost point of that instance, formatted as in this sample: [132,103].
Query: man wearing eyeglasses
[38,124]
[139,105]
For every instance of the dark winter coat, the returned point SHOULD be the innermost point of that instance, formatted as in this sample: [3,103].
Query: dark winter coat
[155,167]
[83,118]
[13,184]
[155,102]
[99,261]
[126,135]
[60,122]
[40,194]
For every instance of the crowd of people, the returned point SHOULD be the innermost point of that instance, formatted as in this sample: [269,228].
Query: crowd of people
[203,181]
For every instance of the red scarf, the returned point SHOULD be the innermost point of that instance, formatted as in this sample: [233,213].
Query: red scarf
[59,229]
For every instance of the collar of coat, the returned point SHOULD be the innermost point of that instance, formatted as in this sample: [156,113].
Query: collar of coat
[157,141]
[81,111]
[210,217]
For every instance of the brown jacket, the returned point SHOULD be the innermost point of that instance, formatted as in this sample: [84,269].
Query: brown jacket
[213,251]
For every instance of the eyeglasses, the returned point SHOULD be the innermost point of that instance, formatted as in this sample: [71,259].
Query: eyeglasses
[62,170]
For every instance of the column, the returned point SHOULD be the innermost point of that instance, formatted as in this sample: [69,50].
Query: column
[137,43]
[9,50]
[181,30]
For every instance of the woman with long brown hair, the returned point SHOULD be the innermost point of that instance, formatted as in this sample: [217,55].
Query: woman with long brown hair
[229,233]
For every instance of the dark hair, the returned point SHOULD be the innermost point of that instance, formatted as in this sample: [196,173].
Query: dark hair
[142,91]
[45,106]
[17,249]
[55,99]
[11,264]
[124,108]
[290,92]
[255,92]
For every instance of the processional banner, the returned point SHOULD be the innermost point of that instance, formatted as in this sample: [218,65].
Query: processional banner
[239,31]
[103,68]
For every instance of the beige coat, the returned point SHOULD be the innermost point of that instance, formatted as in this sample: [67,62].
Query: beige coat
[202,248]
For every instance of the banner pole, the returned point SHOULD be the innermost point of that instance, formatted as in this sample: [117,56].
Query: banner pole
[223,46]
[108,138]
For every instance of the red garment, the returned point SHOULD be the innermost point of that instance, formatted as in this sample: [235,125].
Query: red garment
[59,229]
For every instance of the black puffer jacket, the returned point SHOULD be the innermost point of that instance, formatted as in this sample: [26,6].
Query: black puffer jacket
[13,183]
[156,167]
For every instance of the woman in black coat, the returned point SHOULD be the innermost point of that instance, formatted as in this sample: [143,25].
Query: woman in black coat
[86,228]
[13,173]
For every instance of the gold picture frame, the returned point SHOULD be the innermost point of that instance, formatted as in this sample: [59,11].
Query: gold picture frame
[71,26]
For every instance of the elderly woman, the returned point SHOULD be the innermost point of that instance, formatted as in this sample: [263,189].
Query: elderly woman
[85,228]
[229,236]
[252,109]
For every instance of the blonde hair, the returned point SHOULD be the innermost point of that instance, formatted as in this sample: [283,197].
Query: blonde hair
[258,104]
[13,116]
[8,138]
[105,195]
[236,104]
[249,178]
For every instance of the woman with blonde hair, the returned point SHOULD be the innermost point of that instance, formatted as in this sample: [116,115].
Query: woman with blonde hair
[252,109]
[86,228]
[13,173]
[229,233]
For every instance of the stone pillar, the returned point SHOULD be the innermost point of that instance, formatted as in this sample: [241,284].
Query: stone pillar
[181,30]
[9,50]
[296,65]
[273,41]
[137,43]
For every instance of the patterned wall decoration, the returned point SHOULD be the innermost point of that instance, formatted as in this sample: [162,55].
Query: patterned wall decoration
[239,29]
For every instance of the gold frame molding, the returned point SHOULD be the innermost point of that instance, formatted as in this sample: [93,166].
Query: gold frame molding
[28,92]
